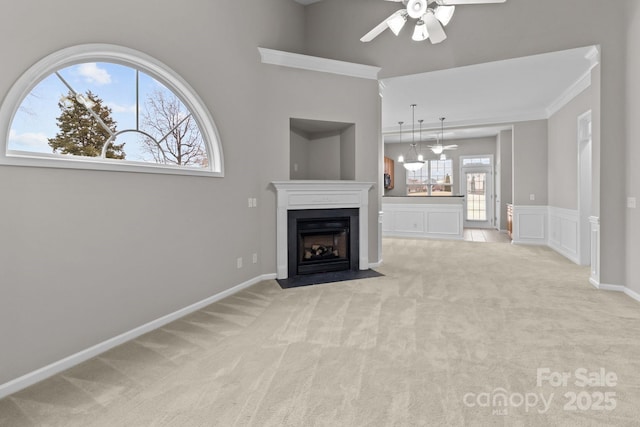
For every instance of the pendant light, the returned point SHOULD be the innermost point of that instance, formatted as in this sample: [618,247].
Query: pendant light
[416,163]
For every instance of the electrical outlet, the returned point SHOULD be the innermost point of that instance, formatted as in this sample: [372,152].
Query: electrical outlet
[239,262]
[295,167]
[532,197]
[255,258]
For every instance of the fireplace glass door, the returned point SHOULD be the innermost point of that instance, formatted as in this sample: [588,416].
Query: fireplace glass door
[323,245]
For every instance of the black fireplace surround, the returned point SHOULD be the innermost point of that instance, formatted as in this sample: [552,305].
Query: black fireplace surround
[322,241]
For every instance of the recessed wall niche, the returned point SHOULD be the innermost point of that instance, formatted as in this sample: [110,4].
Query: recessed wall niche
[322,150]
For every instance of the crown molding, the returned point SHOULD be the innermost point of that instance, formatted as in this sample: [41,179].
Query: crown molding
[572,91]
[314,63]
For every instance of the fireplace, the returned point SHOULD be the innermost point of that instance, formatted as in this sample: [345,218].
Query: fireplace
[322,240]
[321,196]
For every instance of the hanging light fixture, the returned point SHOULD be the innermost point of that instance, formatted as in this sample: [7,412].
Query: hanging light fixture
[420,32]
[417,163]
[431,17]
[397,21]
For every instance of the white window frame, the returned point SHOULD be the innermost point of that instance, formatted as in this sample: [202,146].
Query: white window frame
[120,55]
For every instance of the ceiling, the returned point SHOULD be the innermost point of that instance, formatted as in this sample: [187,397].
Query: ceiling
[317,128]
[481,100]
[474,99]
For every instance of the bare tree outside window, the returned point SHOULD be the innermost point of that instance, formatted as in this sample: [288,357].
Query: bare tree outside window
[178,140]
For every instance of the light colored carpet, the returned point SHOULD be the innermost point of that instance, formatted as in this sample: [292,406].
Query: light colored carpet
[449,325]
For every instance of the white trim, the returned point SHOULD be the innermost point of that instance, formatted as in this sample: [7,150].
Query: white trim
[633,294]
[86,354]
[375,264]
[611,288]
[617,288]
[530,225]
[423,220]
[571,92]
[593,56]
[564,232]
[118,55]
[595,250]
[310,194]
[314,63]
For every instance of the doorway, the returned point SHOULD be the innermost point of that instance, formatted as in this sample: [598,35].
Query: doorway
[477,187]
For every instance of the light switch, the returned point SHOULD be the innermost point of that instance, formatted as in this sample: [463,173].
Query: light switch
[631,202]
[532,196]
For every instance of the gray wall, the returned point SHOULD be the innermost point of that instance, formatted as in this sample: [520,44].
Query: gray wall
[530,163]
[485,33]
[299,155]
[88,255]
[563,151]
[330,97]
[633,151]
[324,158]
[348,153]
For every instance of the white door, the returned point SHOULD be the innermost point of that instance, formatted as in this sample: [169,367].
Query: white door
[478,190]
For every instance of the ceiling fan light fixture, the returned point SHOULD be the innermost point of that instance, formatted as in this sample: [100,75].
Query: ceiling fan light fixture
[437,149]
[444,14]
[443,156]
[397,21]
[416,8]
[420,32]
[434,27]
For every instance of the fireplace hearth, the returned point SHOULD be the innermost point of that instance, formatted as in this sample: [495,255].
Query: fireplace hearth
[322,241]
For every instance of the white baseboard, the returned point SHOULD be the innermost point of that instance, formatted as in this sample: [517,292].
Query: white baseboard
[84,355]
[633,294]
[616,288]
[375,264]
[613,288]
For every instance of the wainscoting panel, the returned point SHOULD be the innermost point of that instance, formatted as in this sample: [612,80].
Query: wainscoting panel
[444,222]
[530,225]
[564,235]
[421,220]
[409,221]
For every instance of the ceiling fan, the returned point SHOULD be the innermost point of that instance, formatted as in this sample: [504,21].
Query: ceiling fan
[431,16]
[439,147]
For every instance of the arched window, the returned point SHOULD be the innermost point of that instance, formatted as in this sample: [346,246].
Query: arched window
[108,107]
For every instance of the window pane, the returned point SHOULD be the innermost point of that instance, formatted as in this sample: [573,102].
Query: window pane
[417,181]
[78,109]
[476,196]
[441,177]
[35,120]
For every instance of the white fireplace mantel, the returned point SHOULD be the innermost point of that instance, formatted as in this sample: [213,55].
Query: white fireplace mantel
[292,195]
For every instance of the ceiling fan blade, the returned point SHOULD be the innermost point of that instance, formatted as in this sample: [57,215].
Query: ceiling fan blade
[378,29]
[455,2]
[434,27]
[451,147]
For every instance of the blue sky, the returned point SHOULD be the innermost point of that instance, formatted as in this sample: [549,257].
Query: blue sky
[35,120]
